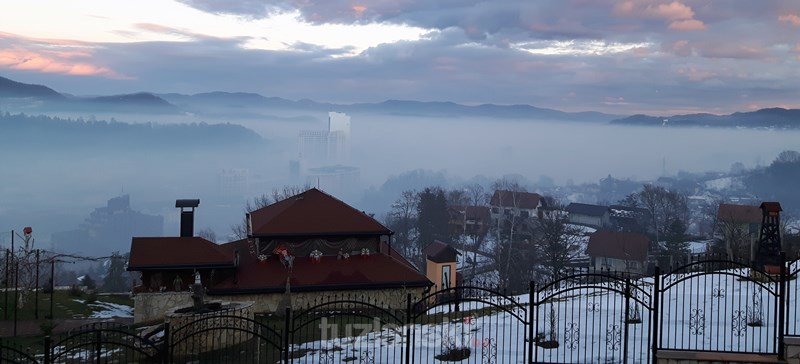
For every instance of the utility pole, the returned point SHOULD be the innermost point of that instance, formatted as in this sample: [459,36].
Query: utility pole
[36,288]
[5,286]
[52,284]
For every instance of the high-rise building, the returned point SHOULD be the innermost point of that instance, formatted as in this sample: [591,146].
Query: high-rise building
[319,148]
[324,157]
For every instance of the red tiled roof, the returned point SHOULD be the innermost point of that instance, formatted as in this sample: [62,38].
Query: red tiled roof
[176,253]
[440,252]
[620,245]
[743,214]
[374,271]
[524,200]
[313,212]
[477,213]
[771,206]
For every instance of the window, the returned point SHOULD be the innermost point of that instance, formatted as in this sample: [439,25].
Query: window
[524,214]
[446,277]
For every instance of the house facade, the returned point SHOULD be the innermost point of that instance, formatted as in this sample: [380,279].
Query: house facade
[595,216]
[618,251]
[515,204]
[299,249]
[738,226]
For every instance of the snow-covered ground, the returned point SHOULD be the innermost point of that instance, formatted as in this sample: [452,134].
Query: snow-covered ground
[718,312]
[102,309]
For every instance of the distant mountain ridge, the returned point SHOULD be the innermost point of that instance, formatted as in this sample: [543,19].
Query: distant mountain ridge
[220,103]
[763,118]
[11,88]
[252,104]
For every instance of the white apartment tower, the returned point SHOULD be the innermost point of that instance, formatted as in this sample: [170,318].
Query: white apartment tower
[324,159]
[320,148]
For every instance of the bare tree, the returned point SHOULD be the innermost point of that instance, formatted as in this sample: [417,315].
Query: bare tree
[22,267]
[509,193]
[664,206]
[558,242]
[402,219]
[208,234]
[477,197]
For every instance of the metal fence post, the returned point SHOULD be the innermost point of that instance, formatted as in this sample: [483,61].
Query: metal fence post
[408,329]
[286,328]
[656,312]
[782,308]
[166,351]
[47,344]
[531,343]
[98,345]
[626,319]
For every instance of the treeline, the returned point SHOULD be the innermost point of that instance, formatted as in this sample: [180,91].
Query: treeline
[26,131]
[779,180]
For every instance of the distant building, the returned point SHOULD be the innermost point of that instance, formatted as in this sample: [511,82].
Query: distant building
[109,229]
[738,226]
[470,220]
[324,157]
[595,216]
[618,251]
[234,181]
[630,219]
[515,203]
[330,147]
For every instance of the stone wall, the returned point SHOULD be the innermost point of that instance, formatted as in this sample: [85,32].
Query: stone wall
[191,333]
[153,307]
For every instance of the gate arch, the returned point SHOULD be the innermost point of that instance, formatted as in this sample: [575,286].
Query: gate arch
[224,339]
[347,329]
[719,306]
[594,317]
[471,323]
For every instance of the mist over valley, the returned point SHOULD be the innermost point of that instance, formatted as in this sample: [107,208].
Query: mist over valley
[60,167]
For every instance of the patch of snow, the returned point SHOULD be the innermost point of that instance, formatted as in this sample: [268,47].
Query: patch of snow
[107,309]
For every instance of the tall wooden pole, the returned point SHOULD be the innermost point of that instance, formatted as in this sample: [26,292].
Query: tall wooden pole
[36,288]
[5,285]
[52,284]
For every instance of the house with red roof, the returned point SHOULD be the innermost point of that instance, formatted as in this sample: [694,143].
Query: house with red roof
[618,251]
[738,226]
[297,250]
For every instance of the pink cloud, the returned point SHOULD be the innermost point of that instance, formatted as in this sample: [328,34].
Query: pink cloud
[62,56]
[687,24]
[359,10]
[672,11]
[21,59]
[791,19]
[678,15]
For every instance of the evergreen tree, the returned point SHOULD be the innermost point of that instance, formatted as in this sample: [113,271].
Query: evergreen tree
[432,216]
[115,276]
[88,282]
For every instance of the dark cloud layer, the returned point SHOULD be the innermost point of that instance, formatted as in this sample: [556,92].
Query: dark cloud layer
[616,56]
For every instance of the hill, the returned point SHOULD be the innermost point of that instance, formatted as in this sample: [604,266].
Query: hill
[763,118]
[13,89]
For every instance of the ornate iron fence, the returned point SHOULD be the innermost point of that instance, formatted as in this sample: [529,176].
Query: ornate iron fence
[720,306]
[593,317]
[707,305]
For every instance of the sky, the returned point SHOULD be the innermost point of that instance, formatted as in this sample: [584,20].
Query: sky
[622,57]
